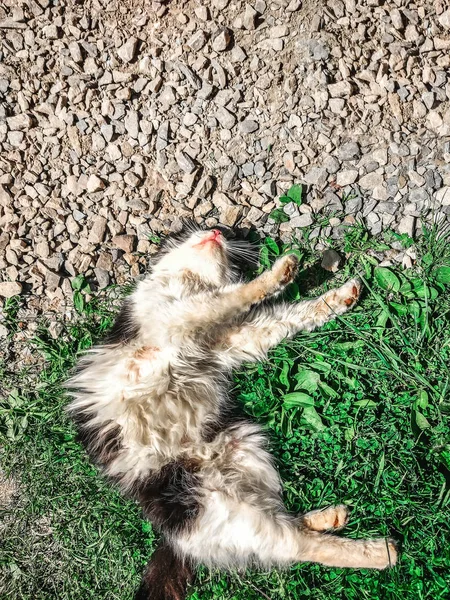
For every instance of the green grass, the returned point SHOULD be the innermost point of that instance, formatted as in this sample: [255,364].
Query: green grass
[365,423]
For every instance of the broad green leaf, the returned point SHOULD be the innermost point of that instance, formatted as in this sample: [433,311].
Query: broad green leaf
[328,389]
[295,193]
[365,403]
[421,421]
[78,301]
[425,291]
[349,433]
[321,366]
[285,199]
[443,274]
[272,245]
[386,279]
[297,399]
[283,378]
[349,345]
[279,216]
[78,282]
[399,309]
[422,399]
[382,319]
[312,417]
[405,287]
[307,380]
[264,257]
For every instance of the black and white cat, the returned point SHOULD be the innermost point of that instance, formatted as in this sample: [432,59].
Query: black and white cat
[153,409]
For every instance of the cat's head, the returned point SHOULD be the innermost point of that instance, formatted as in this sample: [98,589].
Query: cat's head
[205,256]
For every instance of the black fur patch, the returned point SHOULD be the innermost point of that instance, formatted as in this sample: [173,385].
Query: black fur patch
[125,327]
[102,442]
[229,415]
[170,499]
[166,577]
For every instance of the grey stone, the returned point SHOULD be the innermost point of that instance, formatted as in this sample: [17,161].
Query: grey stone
[8,289]
[94,184]
[225,117]
[222,40]
[353,205]
[249,18]
[127,51]
[317,176]
[132,124]
[247,126]
[349,151]
[330,260]
[346,177]
[198,40]
[98,230]
[185,162]
[407,225]
[302,221]
[443,196]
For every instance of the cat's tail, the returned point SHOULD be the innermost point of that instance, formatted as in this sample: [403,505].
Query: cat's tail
[166,576]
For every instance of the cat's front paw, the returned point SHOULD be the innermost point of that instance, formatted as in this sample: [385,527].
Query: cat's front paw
[285,269]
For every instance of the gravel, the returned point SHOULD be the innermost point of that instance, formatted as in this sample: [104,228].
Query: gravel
[117,124]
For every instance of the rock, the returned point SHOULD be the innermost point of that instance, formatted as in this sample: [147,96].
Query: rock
[185,162]
[103,278]
[8,289]
[444,19]
[397,19]
[371,181]
[249,18]
[317,176]
[407,225]
[198,40]
[349,151]
[132,124]
[347,177]
[3,331]
[330,260]
[94,184]
[302,221]
[353,205]
[342,89]
[225,118]
[247,126]
[222,40]
[127,51]
[443,196]
[125,242]
[98,230]
[22,121]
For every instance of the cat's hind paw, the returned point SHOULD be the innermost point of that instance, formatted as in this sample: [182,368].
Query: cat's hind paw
[326,519]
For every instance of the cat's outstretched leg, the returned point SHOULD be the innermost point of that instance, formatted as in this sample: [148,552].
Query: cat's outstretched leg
[267,326]
[234,534]
[202,312]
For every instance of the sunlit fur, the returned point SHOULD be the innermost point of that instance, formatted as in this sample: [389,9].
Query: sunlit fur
[153,408]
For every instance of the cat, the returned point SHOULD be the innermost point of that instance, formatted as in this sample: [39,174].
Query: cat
[153,410]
